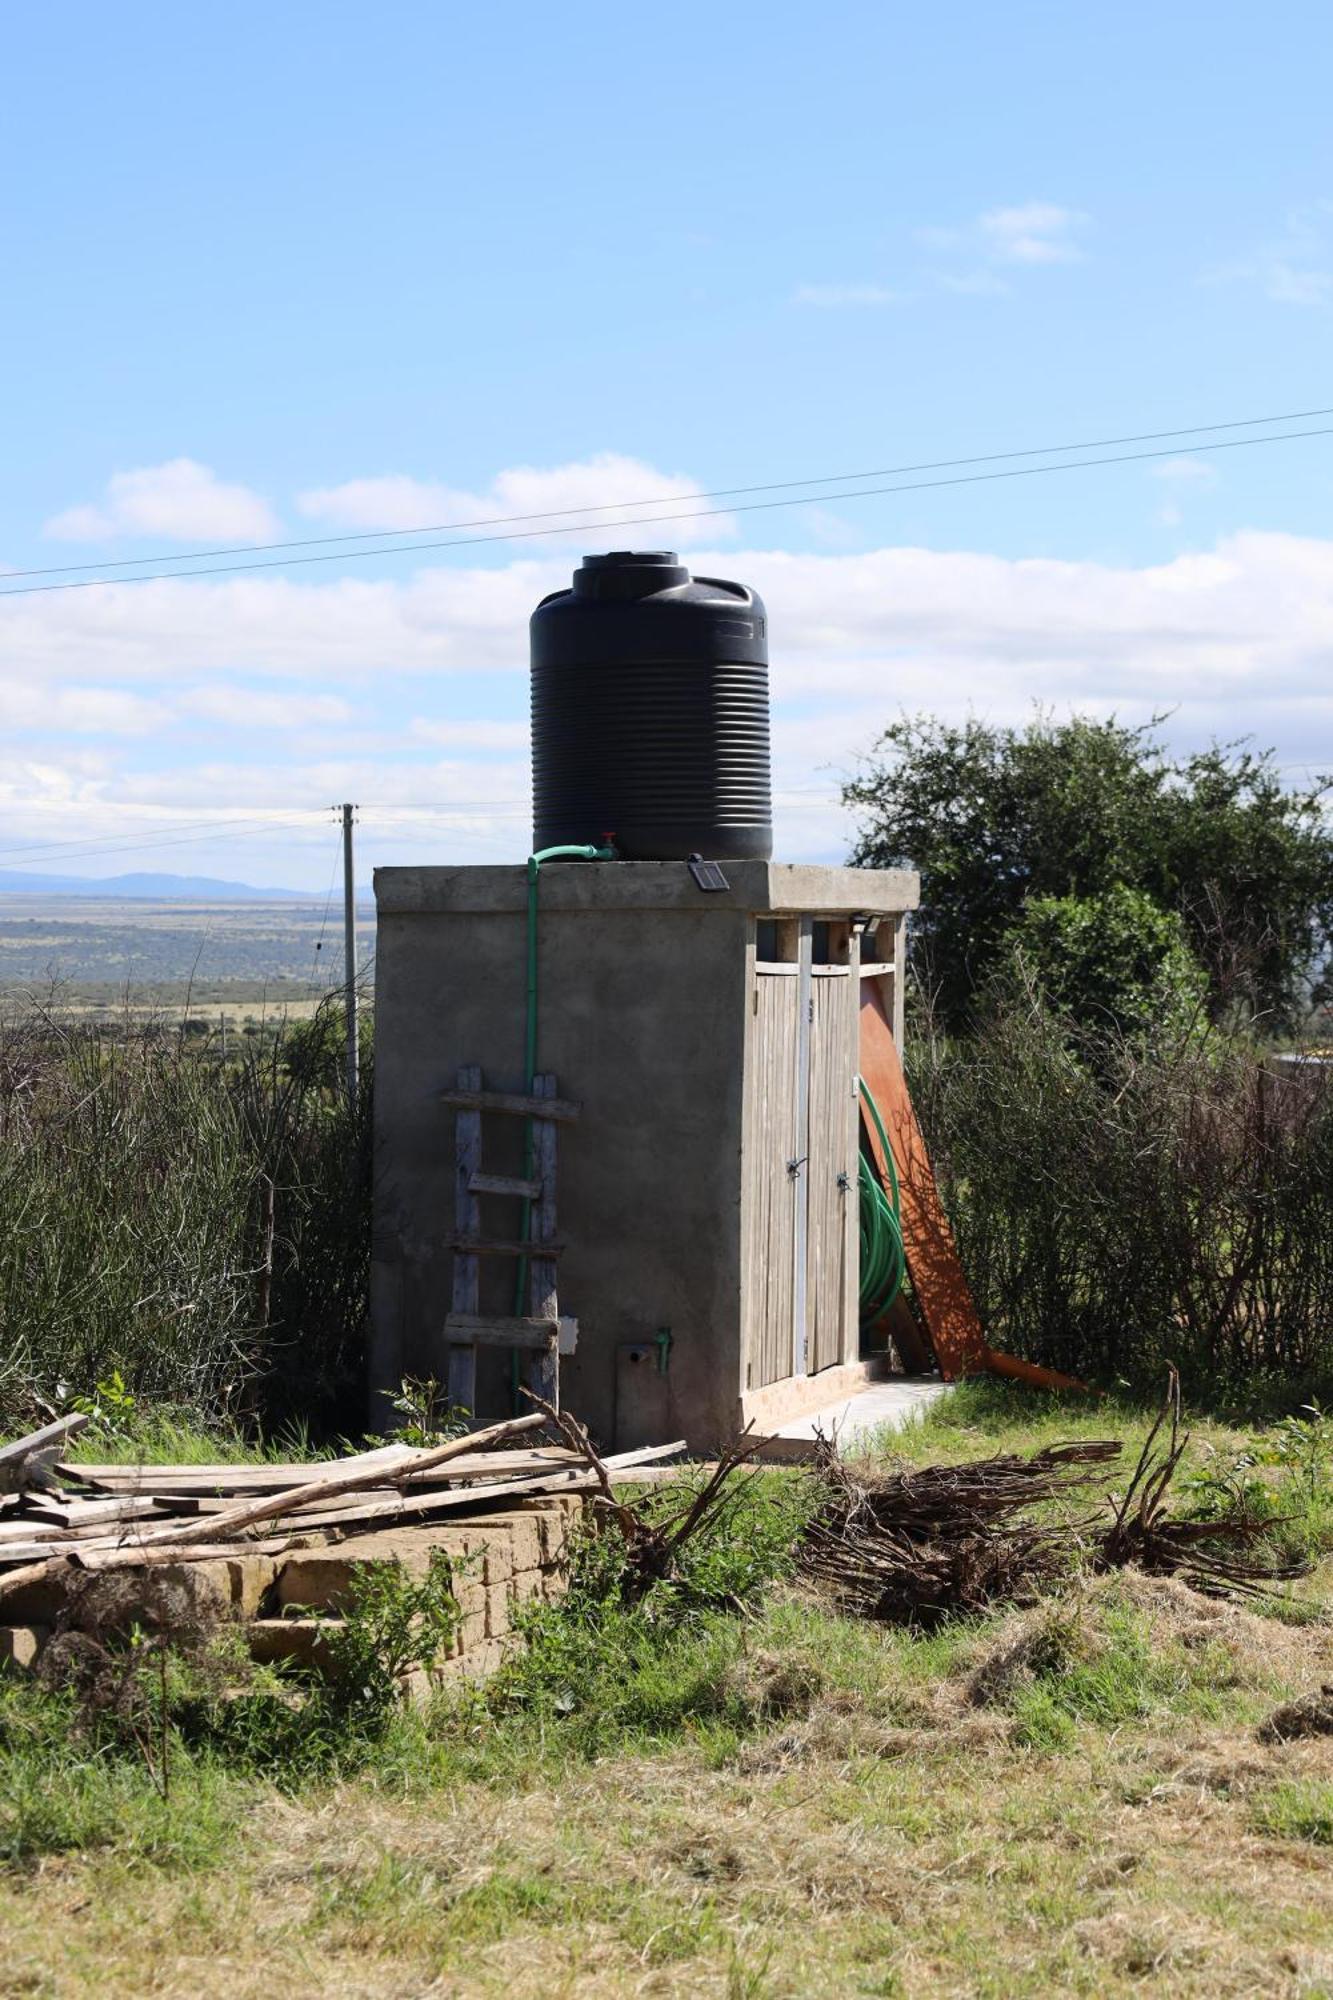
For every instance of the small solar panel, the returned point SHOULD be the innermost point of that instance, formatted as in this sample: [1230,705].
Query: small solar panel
[707,873]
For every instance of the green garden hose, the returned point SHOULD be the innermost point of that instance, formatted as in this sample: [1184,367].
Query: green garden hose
[530,1052]
[883,1263]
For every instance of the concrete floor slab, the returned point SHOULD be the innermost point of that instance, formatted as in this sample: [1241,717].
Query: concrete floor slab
[879,1406]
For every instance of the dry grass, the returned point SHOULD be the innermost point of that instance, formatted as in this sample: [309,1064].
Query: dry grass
[899,1829]
[1081,1797]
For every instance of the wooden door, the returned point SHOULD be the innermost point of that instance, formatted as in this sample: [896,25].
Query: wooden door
[832,1330]
[769,1193]
[799,1199]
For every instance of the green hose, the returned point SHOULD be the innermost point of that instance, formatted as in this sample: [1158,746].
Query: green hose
[530,1051]
[883,1263]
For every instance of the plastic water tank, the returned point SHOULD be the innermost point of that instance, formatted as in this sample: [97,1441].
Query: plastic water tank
[650,713]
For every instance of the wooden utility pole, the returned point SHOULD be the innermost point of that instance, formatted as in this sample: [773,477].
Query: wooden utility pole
[349,955]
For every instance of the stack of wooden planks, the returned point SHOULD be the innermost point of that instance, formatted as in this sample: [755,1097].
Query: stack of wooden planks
[53,1511]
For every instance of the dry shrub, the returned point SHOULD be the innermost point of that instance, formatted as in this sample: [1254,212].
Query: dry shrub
[1120,1204]
[199,1228]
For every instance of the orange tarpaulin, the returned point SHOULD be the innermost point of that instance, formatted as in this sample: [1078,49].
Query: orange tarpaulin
[938,1281]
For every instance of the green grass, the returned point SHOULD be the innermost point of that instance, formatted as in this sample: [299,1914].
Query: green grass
[1301,1809]
[679,1798]
[163,1436]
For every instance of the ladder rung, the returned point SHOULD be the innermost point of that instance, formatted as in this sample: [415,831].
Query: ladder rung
[562,1109]
[503,1184]
[472,1330]
[479,1247]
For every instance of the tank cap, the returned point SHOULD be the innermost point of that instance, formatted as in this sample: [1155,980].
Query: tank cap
[628,573]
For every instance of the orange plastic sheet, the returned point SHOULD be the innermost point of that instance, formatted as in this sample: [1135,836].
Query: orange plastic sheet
[942,1291]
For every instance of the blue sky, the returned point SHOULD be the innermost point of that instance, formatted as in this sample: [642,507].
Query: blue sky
[279,272]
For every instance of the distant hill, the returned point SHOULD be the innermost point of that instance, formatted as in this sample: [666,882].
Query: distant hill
[168,888]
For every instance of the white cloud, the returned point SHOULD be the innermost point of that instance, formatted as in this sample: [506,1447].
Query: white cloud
[1237,639]
[912,623]
[1186,472]
[835,296]
[180,501]
[246,708]
[1026,233]
[77,711]
[477,735]
[1035,232]
[1288,285]
[607,489]
[1296,268]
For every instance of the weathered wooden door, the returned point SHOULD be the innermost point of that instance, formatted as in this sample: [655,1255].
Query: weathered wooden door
[799,1199]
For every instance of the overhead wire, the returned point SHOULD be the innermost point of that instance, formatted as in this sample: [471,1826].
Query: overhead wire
[171,827]
[343,554]
[128,845]
[390,535]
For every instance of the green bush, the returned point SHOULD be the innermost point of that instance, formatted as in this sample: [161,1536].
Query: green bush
[1120,1205]
[1115,961]
[610,1664]
[198,1232]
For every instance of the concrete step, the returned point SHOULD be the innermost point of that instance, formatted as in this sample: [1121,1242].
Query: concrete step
[853,1420]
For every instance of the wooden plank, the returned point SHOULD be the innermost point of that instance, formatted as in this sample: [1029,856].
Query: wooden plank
[851,1112]
[461,1362]
[120,1507]
[937,1276]
[27,1529]
[209,1497]
[801,1158]
[247,1512]
[268,1476]
[513,1103]
[492,1246]
[541,1374]
[621,1466]
[505,1184]
[39,1446]
[832,1176]
[898,1018]
[769,1197]
[482,1465]
[538,1336]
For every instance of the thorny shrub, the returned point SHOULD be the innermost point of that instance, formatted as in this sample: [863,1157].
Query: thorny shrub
[193,1230]
[1120,1205]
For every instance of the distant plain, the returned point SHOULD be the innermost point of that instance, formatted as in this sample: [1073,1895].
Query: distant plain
[156,956]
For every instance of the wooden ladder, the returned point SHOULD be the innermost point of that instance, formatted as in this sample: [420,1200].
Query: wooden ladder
[537,1335]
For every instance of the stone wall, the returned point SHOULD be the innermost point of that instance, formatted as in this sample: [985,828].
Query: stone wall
[290,1603]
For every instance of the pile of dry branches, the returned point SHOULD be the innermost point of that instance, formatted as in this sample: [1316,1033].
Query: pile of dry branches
[914,1547]
[653,1541]
[1222,1554]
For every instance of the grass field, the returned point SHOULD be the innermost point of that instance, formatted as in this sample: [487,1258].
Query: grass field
[1073,1798]
[102,956]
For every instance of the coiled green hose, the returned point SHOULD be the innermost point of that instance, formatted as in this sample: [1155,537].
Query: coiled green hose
[883,1262]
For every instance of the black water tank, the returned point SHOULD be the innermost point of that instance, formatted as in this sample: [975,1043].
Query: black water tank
[650,713]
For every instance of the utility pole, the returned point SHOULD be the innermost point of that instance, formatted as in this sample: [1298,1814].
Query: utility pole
[349,955]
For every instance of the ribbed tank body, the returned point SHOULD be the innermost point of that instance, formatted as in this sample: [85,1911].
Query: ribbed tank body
[650,713]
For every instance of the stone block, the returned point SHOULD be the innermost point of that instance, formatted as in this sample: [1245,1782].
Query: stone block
[249,1578]
[20,1644]
[303,1640]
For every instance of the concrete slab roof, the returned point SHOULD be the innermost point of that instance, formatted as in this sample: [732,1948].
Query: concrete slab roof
[769,888]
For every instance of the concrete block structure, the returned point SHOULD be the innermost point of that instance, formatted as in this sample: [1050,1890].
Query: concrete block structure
[707,1195]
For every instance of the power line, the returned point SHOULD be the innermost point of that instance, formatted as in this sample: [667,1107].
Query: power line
[170,827]
[79,850]
[711,493]
[648,520]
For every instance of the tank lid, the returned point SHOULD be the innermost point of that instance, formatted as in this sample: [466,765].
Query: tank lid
[624,574]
